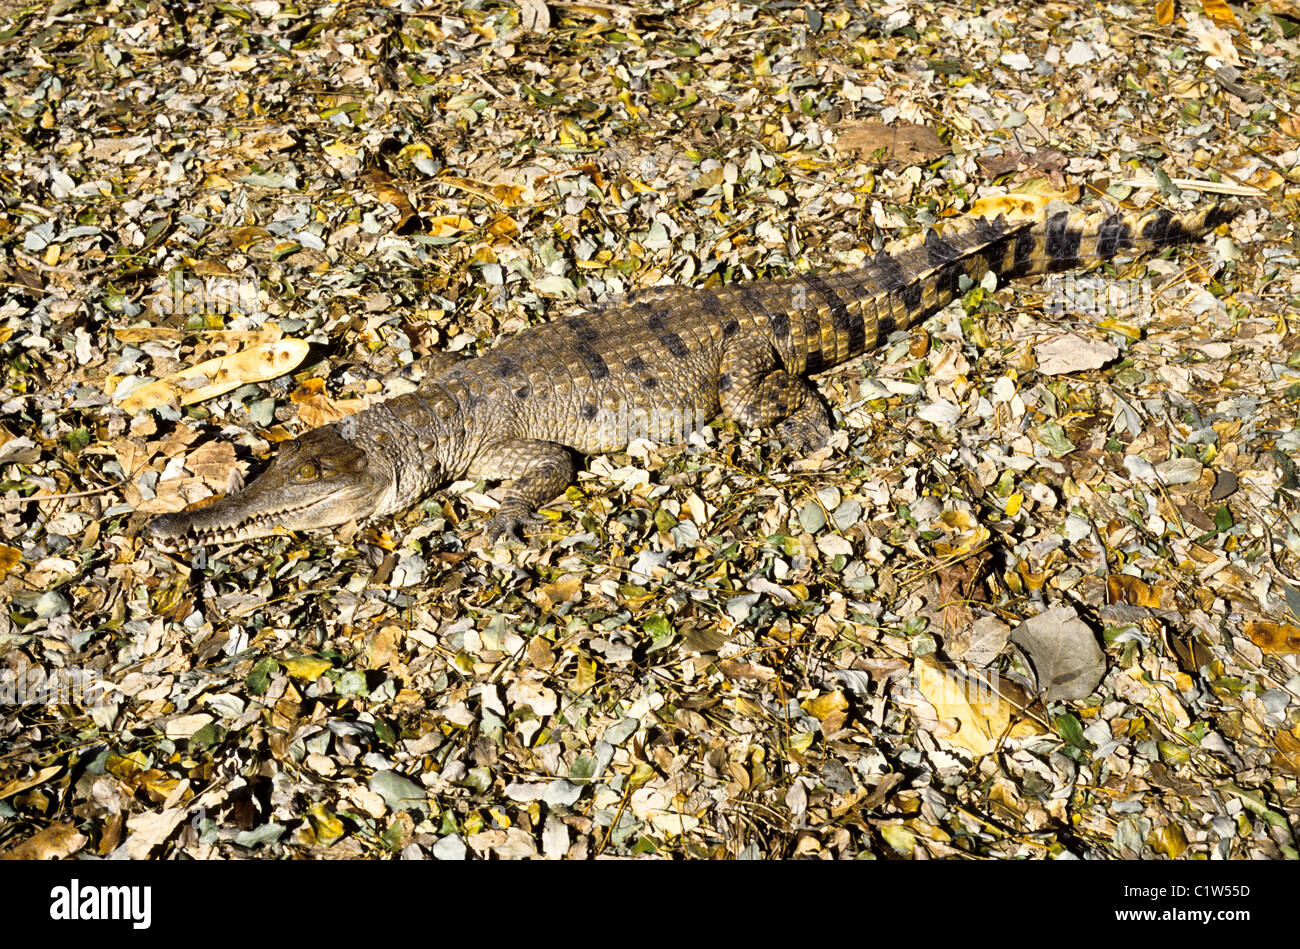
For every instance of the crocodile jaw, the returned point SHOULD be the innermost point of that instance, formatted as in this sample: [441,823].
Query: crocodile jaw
[319,480]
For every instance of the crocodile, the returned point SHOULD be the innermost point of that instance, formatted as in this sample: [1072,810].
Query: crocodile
[658,365]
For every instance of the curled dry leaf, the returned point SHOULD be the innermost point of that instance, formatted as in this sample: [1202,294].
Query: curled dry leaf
[213,377]
[50,843]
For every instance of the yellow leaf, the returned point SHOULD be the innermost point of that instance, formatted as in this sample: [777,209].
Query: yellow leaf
[899,837]
[1273,637]
[801,741]
[9,558]
[212,377]
[1165,12]
[584,677]
[307,668]
[414,152]
[326,826]
[1013,504]
[1266,179]
[1122,588]
[503,225]
[1170,841]
[1016,207]
[824,705]
[983,716]
[568,587]
[444,225]
[1124,329]
[1219,12]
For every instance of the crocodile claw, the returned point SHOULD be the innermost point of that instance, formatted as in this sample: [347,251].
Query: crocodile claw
[510,522]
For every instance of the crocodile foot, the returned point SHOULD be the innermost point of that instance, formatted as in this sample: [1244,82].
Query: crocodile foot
[511,520]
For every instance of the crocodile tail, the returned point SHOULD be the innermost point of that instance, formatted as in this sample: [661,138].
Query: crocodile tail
[819,320]
[1073,239]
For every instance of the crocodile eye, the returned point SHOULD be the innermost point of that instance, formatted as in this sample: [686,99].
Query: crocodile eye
[307,471]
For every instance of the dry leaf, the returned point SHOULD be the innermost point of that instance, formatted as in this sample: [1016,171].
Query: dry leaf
[213,377]
[824,705]
[50,843]
[1024,205]
[1064,653]
[18,785]
[1273,637]
[10,557]
[1072,353]
[1220,13]
[384,187]
[1214,40]
[568,587]
[983,717]
[1122,588]
[151,829]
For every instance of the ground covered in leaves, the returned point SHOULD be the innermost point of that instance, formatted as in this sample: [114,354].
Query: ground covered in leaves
[1040,601]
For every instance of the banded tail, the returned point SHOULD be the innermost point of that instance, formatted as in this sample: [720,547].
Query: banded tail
[850,312]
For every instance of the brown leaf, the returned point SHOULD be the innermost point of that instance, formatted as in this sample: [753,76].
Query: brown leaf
[1288,751]
[958,583]
[1277,638]
[1122,588]
[52,843]
[18,785]
[384,187]
[315,410]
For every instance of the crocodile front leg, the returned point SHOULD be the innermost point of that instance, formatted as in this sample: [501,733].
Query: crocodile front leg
[755,393]
[535,470]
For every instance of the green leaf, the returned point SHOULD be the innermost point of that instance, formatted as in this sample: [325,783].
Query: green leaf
[259,679]
[352,682]
[659,629]
[1223,518]
[1053,436]
[541,98]
[584,767]
[1069,728]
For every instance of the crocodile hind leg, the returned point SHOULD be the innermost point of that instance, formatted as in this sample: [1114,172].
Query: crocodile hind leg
[755,393]
[535,470]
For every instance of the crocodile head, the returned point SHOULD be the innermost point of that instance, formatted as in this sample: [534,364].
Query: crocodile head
[319,480]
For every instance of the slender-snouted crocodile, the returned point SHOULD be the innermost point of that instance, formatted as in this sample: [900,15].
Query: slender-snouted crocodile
[657,366]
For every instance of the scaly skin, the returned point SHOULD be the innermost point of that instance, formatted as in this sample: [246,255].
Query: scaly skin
[658,366]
